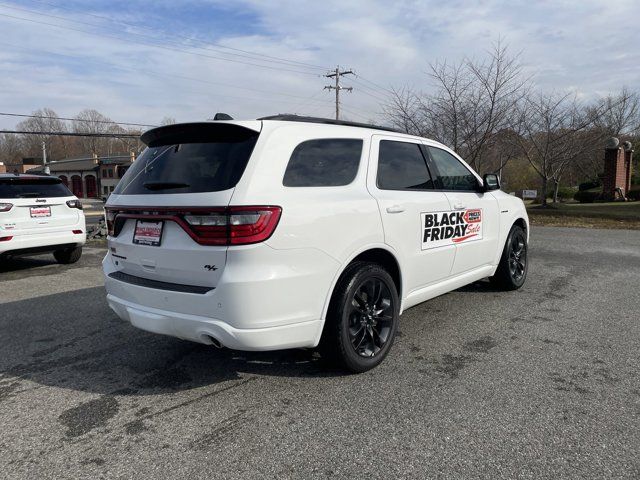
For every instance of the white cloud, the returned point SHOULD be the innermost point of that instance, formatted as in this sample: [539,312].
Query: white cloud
[587,46]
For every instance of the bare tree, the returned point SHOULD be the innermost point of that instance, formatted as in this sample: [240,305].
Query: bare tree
[405,111]
[167,121]
[93,122]
[555,131]
[619,114]
[473,101]
[11,148]
[44,120]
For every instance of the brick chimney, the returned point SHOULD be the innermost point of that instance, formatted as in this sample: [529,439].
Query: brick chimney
[617,170]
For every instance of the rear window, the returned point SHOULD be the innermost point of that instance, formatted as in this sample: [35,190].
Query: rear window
[327,162]
[206,163]
[33,187]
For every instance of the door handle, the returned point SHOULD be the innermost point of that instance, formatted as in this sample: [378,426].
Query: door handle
[459,206]
[395,209]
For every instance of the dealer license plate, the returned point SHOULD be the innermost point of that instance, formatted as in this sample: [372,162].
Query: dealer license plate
[38,212]
[148,233]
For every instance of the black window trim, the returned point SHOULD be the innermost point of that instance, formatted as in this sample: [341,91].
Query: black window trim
[433,167]
[425,158]
[355,177]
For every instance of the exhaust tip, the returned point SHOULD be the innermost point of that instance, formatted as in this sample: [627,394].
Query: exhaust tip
[215,342]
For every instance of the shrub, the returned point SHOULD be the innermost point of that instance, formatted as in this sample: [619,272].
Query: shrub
[565,193]
[588,185]
[584,196]
[633,194]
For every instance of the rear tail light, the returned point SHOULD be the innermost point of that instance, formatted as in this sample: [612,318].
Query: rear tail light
[252,224]
[235,225]
[77,232]
[214,226]
[74,204]
[5,207]
[5,239]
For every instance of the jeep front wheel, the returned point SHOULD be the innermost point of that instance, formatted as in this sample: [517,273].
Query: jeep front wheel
[68,255]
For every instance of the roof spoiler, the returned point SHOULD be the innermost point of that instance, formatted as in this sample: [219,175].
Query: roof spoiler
[200,132]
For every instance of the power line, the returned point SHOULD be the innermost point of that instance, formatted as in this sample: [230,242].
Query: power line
[153,38]
[337,87]
[122,22]
[75,119]
[169,75]
[380,87]
[164,47]
[366,90]
[72,134]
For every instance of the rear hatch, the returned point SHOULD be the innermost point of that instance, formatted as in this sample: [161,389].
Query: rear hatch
[168,216]
[35,205]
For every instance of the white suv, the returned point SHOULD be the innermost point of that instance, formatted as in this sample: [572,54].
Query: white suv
[289,232]
[39,214]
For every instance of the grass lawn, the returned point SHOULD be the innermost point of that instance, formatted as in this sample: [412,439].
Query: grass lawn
[624,215]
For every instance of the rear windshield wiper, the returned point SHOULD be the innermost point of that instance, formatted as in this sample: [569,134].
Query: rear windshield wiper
[164,185]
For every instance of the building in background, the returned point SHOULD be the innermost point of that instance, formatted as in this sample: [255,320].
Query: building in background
[22,166]
[90,177]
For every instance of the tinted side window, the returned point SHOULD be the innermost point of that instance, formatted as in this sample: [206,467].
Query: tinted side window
[401,166]
[327,162]
[452,174]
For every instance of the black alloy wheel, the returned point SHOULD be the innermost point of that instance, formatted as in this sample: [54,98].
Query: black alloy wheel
[371,317]
[512,269]
[518,256]
[362,319]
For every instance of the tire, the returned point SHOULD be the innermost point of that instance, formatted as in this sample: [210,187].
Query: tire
[512,269]
[68,255]
[362,319]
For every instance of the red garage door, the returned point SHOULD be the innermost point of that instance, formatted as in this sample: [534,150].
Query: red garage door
[76,186]
[91,186]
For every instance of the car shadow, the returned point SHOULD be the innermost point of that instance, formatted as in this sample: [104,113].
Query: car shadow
[73,340]
[480,286]
[15,264]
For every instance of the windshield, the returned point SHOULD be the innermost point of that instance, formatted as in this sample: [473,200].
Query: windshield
[188,167]
[20,187]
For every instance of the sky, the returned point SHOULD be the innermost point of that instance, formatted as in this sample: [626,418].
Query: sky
[142,60]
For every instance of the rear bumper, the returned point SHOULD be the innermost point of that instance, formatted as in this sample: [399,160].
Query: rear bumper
[265,299]
[203,329]
[41,242]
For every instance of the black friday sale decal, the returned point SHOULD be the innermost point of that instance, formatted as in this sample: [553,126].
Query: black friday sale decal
[451,227]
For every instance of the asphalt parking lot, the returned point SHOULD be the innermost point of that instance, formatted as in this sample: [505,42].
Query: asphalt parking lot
[539,383]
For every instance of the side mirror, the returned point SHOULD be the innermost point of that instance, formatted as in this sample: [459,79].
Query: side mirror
[491,182]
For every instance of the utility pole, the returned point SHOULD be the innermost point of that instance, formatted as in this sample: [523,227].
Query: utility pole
[46,168]
[337,73]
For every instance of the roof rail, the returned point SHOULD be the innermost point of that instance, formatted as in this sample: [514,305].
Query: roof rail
[286,117]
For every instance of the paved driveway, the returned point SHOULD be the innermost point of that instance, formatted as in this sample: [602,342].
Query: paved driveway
[543,382]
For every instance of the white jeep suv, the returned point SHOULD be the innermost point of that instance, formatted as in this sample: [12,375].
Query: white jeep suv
[289,231]
[39,214]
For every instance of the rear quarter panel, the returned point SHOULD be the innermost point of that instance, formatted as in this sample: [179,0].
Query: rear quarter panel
[331,224]
[335,220]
